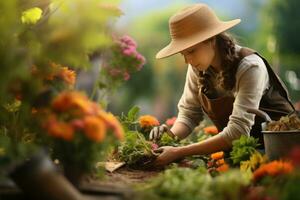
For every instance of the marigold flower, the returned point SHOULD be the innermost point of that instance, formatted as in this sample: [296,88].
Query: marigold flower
[217,155]
[220,162]
[148,121]
[94,128]
[69,76]
[113,123]
[211,130]
[273,169]
[223,168]
[171,121]
[59,129]
[77,123]
[67,101]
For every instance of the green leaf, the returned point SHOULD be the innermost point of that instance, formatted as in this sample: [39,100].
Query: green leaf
[31,16]
[133,113]
[243,148]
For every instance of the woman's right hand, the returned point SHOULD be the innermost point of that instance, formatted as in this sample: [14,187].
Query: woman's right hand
[158,131]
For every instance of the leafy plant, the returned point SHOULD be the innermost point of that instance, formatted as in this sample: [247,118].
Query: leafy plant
[242,149]
[136,151]
[79,130]
[167,140]
[255,161]
[130,121]
[35,33]
[189,184]
[11,152]
[180,183]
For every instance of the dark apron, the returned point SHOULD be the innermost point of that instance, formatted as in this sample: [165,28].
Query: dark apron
[275,102]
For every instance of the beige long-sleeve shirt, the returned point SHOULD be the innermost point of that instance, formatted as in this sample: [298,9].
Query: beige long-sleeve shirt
[252,81]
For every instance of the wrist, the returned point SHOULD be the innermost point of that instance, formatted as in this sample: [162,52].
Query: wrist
[181,151]
[188,150]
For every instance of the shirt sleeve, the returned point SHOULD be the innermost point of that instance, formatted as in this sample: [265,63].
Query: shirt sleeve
[189,108]
[252,80]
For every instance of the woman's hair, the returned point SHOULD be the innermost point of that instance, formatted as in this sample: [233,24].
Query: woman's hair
[229,62]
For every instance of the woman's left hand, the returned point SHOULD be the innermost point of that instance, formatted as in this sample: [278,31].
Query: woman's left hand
[167,155]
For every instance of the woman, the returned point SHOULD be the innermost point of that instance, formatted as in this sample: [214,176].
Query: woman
[223,81]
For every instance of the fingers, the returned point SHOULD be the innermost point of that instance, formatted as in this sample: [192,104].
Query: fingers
[157,131]
[168,131]
[159,150]
[154,133]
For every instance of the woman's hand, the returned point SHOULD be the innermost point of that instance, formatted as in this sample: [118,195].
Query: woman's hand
[167,155]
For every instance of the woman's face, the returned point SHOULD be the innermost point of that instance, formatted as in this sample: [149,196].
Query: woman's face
[200,55]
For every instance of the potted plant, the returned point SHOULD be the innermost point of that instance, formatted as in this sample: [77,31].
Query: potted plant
[79,133]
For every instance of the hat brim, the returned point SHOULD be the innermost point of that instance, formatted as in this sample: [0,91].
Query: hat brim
[177,46]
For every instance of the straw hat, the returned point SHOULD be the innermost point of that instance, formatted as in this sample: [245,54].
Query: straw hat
[192,25]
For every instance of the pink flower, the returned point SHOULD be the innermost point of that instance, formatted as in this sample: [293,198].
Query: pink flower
[126,76]
[129,41]
[154,146]
[129,51]
[141,60]
[171,121]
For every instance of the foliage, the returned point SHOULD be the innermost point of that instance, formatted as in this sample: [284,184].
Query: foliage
[39,38]
[136,151]
[167,140]
[188,184]
[242,149]
[11,153]
[285,187]
[255,161]
[130,121]
[284,39]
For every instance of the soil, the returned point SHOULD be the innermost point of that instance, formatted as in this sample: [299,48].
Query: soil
[285,123]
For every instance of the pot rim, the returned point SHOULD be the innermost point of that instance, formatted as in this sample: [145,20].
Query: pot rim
[282,132]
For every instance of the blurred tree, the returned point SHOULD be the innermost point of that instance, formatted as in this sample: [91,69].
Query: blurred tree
[282,20]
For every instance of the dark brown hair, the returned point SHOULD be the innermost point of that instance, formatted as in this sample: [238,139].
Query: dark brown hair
[229,62]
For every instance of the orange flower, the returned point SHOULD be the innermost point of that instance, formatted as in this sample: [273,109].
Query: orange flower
[69,76]
[223,168]
[273,169]
[94,128]
[211,130]
[217,155]
[148,121]
[113,123]
[59,129]
[220,162]
[171,121]
[66,101]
